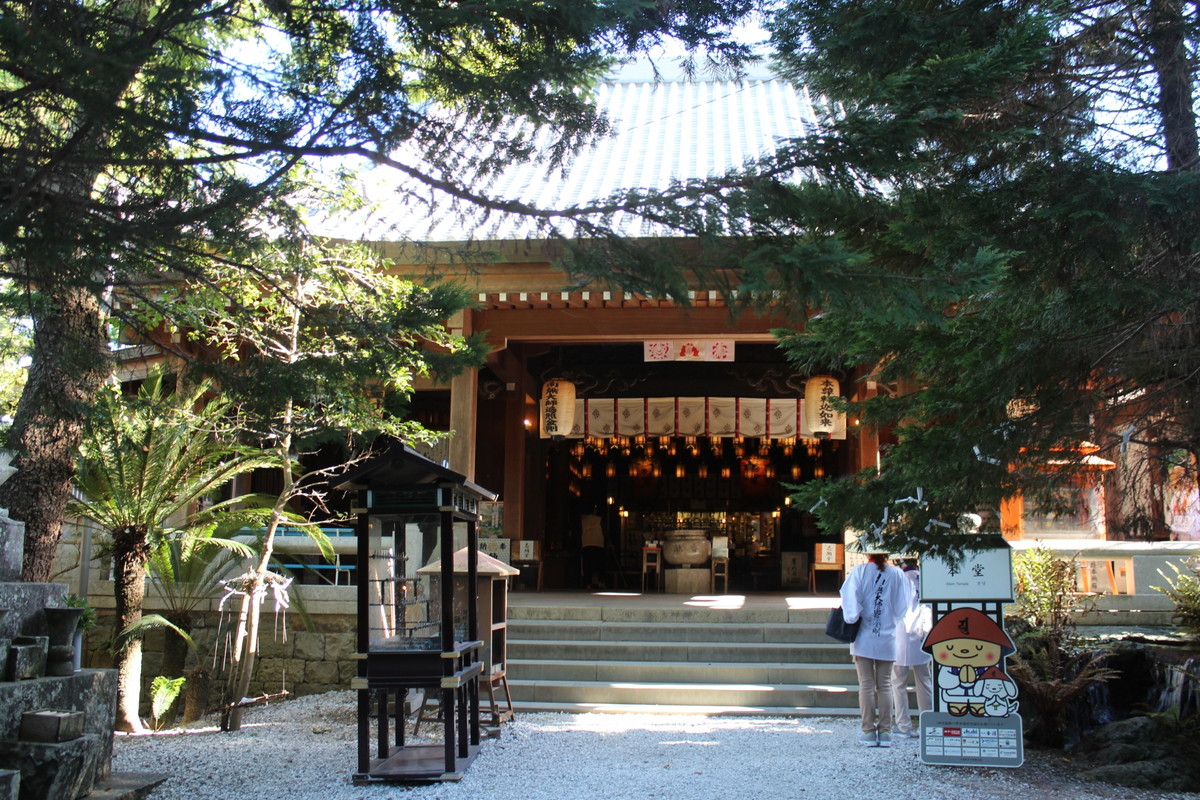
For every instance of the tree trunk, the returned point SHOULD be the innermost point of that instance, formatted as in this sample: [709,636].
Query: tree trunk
[70,362]
[1173,68]
[130,552]
[242,671]
[195,694]
[175,647]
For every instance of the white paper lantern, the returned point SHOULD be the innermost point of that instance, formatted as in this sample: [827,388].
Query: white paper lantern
[818,411]
[558,408]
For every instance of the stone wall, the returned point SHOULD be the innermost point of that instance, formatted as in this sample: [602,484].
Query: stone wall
[310,660]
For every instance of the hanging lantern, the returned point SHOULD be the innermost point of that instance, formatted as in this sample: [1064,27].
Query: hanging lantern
[558,408]
[818,411]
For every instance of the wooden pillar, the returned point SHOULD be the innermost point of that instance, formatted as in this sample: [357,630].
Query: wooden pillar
[868,438]
[1012,512]
[516,435]
[464,402]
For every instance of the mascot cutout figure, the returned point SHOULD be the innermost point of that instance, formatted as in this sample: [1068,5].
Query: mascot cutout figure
[969,649]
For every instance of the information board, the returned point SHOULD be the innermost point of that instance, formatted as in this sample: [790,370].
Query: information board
[968,741]
[978,575]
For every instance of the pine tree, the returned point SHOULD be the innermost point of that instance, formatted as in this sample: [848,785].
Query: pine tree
[138,138]
[996,225]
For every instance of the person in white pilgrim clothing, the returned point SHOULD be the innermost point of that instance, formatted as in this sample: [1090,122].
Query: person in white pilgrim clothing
[878,593]
[918,619]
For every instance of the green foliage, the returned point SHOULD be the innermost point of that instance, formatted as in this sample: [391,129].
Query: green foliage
[145,142]
[163,693]
[87,619]
[147,460]
[990,237]
[16,340]
[1184,590]
[148,622]
[1046,593]
[315,338]
[1053,667]
[151,457]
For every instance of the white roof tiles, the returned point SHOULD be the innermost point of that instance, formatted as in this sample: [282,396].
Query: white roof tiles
[672,129]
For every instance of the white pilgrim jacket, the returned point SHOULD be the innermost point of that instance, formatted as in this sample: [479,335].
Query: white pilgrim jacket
[880,599]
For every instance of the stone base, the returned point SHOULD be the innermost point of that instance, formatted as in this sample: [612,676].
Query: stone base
[125,786]
[12,547]
[54,771]
[91,691]
[10,784]
[684,580]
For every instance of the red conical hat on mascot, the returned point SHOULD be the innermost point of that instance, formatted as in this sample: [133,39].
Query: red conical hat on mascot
[994,674]
[968,623]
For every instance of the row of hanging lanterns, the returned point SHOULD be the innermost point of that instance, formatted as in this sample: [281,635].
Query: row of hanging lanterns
[558,406]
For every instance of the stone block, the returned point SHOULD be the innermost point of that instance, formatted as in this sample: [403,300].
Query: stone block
[51,726]
[27,657]
[54,771]
[340,646]
[272,647]
[337,623]
[275,672]
[26,604]
[12,547]
[687,581]
[10,784]
[309,646]
[321,672]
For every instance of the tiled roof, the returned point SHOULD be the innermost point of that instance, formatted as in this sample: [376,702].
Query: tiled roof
[664,130]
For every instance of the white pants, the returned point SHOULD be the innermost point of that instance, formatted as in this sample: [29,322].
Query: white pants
[924,681]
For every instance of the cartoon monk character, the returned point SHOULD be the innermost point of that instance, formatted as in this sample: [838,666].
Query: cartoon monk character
[964,644]
[998,692]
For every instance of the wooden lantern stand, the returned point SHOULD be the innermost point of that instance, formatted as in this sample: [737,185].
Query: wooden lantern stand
[411,635]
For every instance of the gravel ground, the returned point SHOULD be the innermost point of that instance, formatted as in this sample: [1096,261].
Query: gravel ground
[306,748]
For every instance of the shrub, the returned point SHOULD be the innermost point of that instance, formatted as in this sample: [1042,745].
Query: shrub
[1184,591]
[1052,666]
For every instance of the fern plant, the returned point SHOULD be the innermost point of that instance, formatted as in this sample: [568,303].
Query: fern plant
[163,693]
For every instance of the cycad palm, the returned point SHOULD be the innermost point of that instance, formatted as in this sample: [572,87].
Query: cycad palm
[147,460]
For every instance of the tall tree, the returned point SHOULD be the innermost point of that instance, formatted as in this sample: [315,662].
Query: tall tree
[996,225]
[139,137]
[318,342]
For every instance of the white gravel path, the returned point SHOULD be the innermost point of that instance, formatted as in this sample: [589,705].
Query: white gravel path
[306,748]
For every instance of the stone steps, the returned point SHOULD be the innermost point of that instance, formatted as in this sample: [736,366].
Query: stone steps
[653,630]
[677,660]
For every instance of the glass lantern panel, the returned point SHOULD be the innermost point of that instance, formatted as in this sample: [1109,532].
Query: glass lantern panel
[402,616]
[460,610]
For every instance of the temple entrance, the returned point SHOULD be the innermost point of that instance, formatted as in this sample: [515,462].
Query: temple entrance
[640,490]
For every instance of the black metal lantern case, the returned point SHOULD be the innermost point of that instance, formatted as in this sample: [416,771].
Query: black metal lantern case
[408,639]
